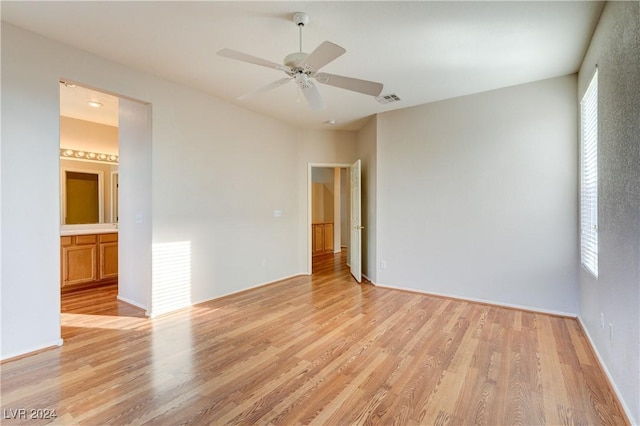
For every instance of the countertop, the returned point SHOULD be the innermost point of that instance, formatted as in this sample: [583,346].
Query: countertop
[98,228]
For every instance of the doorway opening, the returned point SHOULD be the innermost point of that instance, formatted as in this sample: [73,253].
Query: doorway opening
[89,151]
[97,131]
[331,194]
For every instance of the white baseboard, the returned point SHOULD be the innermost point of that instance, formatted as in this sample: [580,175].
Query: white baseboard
[250,288]
[58,342]
[371,281]
[612,382]
[152,315]
[131,302]
[486,302]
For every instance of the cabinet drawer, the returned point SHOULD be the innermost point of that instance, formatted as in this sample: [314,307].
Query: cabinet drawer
[108,238]
[65,241]
[86,239]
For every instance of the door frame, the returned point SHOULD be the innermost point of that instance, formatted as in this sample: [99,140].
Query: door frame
[114,196]
[310,166]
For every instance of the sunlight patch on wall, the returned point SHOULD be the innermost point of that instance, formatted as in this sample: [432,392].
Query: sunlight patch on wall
[171,287]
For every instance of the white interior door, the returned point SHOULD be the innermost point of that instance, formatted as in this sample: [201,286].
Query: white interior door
[355,247]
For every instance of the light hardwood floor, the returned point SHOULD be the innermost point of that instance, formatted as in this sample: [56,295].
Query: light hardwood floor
[312,350]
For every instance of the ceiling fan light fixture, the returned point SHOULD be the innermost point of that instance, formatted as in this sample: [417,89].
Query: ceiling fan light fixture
[292,60]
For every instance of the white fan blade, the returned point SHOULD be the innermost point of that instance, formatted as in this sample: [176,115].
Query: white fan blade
[354,84]
[244,57]
[265,88]
[320,57]
[312,94]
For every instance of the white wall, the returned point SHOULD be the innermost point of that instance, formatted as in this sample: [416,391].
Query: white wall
[30,289]
[477,196]
[85,135]
[615,48]
[206,155]
[322,189]
[367,152]
[219,172]
[134,205]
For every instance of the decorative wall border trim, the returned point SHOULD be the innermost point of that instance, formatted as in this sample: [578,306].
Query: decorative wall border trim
[73,154]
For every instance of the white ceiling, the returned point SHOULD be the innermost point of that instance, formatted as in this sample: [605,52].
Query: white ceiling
[421,51]
[74,103]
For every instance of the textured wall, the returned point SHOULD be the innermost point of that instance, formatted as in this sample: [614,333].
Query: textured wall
[615,48]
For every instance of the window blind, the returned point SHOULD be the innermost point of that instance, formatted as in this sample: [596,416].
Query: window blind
[589,177]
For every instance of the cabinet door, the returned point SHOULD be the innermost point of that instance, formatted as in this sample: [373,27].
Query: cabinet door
[328,237]
[313,240]
[318,238]
[79,264]
[108,260]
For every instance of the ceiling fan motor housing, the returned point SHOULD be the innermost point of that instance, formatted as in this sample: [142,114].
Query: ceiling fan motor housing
[293,60]
[300,19]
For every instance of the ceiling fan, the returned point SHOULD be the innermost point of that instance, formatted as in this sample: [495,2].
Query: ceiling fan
[303,69]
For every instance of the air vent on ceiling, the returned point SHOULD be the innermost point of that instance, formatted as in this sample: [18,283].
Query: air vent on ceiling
[387,99]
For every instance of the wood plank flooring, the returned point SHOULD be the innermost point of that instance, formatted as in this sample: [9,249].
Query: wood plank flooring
[311,350]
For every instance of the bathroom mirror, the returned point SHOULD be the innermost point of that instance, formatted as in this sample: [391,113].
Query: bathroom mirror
[88,192]
[84,197]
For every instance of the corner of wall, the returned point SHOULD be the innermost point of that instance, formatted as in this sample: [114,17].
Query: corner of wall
[615,293]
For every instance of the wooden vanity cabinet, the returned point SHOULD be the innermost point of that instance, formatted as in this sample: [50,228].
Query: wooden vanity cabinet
[88,260]
[322,238]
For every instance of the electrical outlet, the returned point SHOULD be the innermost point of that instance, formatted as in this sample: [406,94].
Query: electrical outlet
[601,321]
[383,264]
